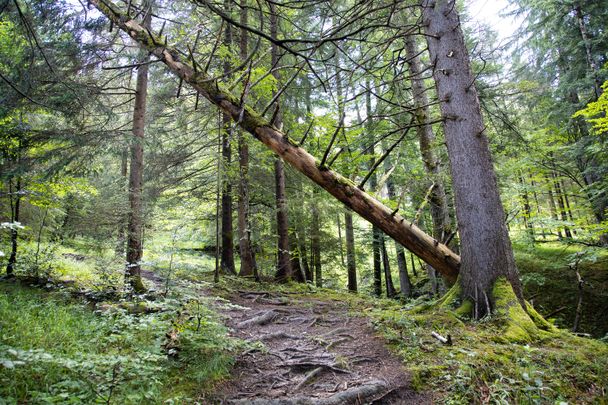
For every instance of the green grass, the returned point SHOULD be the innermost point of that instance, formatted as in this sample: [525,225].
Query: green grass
[54,349]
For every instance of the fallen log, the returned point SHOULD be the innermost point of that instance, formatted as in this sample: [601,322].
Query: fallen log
[406,233]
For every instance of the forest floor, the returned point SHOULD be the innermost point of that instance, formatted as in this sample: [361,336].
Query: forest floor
[74,335]
[315,351]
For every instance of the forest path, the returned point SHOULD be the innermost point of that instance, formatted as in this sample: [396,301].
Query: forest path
[316,352]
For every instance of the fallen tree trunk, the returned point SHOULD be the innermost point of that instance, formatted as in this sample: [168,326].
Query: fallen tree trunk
[409,235]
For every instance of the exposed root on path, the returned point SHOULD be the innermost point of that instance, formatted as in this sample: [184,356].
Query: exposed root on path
[361,395]
[315,353]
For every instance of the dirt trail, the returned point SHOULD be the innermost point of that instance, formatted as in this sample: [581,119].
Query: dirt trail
[316,353]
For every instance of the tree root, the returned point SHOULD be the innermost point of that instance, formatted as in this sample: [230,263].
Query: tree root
[309,377]
[353,395]
[278,335]
[263,319]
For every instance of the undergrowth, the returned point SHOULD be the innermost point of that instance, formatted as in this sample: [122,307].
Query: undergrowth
[57,349]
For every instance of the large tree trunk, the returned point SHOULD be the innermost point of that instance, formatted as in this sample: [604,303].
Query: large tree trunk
[135,234]
[485,245]
[227,261]
[248,265]
[284,270]
[393,224]
[351,261]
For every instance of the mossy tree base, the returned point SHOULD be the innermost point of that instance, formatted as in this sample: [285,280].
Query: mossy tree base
[519,325]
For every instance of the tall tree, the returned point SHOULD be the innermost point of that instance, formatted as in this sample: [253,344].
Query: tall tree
[227,260]
[485,245]
[426,137]
[284,269]
[136,172]
[248,264]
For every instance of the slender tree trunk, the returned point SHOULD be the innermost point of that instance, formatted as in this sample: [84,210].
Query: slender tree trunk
[562,206]
[593,66]
[485,245]
[135,229]
[15,215]
[248,265]
[373,183]
[316,239]
[301,239]
[388,278]
[404,278]
[124,172]
[393,224]
[227,260]
[538,207]
[340,240]
[284,270]
[440,214]
[552,206]
[527,209]
[351,261]
[413,265]
[567,205]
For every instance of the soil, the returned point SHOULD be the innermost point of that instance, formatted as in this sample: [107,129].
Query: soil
[315,352]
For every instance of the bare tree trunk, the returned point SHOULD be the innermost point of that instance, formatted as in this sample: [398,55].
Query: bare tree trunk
[340,240]
[135,230]
[351,262]
[527,210]
[567,205]
[15,212]
[442,225]
[284,270]
[562,206]
[316,240]
[248,265]
[485,245]
[373,183]
[124,172]
[388,278]
[393,224]
[404,278]
[301,239]
[552,206]
[227,260]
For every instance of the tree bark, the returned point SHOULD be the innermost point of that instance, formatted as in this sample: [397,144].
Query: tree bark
[440,214]
[351,262]
[527,209]
[15,215]
[315,247]
[284,270]
[377,236]
[562,206]
[135,228]
[227,260]
[388,278]
[248,265]
[409,235]
[485,245]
